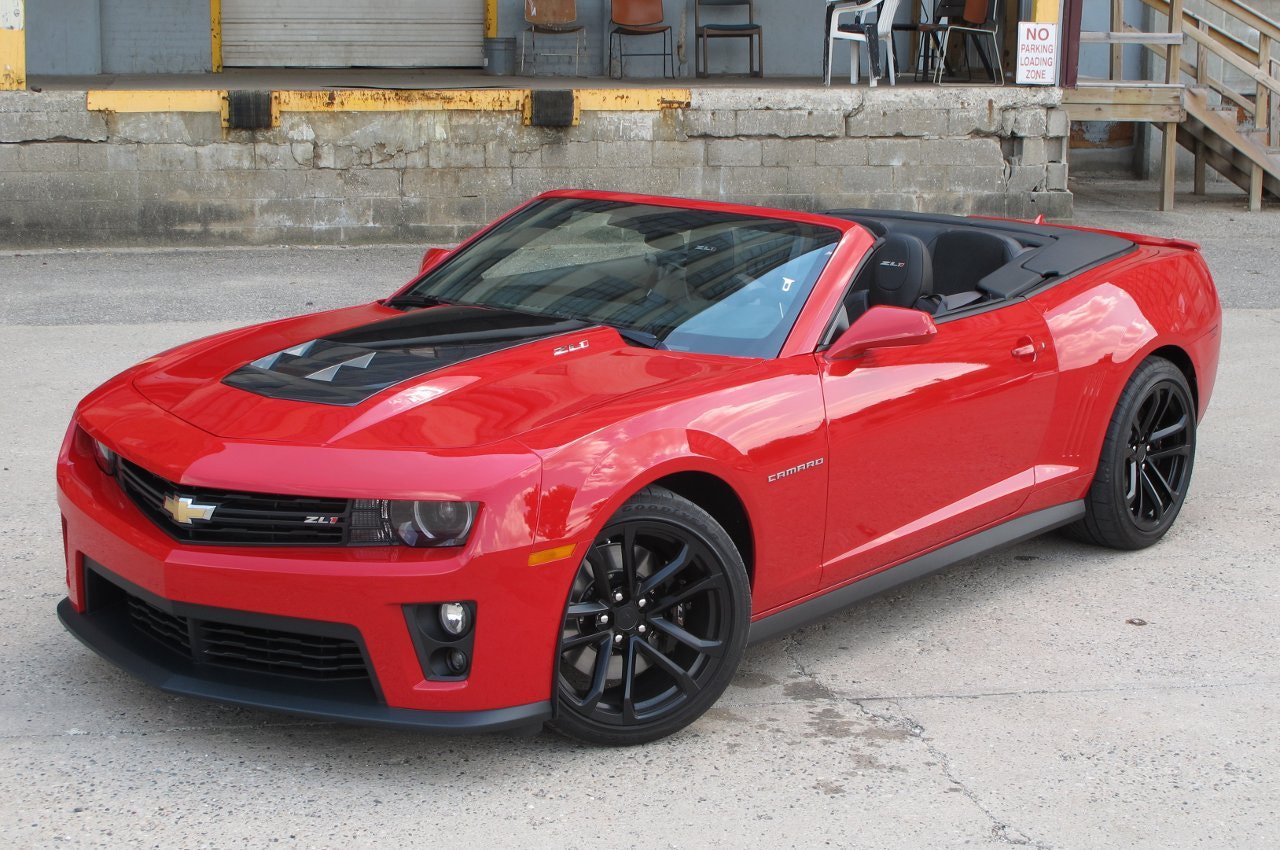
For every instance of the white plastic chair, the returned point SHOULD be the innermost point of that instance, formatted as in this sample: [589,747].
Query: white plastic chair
[846,12]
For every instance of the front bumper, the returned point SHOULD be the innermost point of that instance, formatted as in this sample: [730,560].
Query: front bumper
[365,590]
[177,677]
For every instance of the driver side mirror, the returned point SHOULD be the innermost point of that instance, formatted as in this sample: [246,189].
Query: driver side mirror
[882,326]
[432,258]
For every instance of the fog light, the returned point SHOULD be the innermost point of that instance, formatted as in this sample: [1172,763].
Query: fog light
[455,619]
[457,662]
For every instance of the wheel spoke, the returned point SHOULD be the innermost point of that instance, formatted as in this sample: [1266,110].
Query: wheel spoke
[1131,482]
[1176,451]
[576,641]
[681,560]
[713,648]
[629,559]
[629,679]
[1147,415]
[600,676]
[681,677]
[587,609]
[1150,489]
[711,582]
[1166,398]
[1167,432]
[1164,482]
[600,576]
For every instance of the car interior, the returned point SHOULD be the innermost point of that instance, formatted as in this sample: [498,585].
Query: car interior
[949,266]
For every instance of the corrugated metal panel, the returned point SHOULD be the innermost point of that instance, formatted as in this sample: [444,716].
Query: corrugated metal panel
[352,33]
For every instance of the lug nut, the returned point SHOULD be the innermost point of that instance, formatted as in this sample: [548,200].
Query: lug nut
[617,597]
[642,602]
[641,628]
[603,620]
[617,638]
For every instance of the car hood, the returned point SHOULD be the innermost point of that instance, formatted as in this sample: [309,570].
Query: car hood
[374,377]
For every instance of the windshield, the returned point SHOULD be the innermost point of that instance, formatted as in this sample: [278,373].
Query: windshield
[686,280]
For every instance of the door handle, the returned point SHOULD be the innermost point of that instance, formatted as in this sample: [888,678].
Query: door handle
[1027,349]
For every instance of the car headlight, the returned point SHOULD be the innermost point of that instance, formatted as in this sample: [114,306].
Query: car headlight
[105,457]
[382,522]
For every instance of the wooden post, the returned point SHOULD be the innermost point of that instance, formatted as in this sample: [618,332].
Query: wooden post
[1262,100]
[1173,60]
[1169,146]
[1117,50]
[1202,77]
[1168,164]
[1255,188]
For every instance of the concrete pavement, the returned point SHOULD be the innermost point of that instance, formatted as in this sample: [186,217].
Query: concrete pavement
[1006,702]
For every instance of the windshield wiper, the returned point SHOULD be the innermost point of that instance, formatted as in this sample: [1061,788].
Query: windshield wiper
[417,301]
[639,337]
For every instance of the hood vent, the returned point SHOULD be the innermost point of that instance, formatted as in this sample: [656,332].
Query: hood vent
[349,367]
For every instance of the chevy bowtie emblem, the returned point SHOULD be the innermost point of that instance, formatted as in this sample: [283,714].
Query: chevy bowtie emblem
[183,509]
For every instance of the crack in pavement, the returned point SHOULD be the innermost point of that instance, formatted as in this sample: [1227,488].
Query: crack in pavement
[1000,830]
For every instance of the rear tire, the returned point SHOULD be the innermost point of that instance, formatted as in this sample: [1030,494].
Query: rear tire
[1147,456]
[655,624]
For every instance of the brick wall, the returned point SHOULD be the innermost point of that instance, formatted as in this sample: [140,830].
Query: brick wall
[70,177]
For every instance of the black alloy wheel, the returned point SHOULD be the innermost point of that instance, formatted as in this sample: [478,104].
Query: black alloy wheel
[1146,462]
[656,622]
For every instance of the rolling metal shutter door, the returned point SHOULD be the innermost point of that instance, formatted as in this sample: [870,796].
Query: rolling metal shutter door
[352,33]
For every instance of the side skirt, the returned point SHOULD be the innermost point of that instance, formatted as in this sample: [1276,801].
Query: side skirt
[1005,534]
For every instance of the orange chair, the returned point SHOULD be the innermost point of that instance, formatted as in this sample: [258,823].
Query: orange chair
[638,18]
[552,18]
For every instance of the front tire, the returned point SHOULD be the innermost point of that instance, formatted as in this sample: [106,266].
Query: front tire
[1147,456]
[655,625]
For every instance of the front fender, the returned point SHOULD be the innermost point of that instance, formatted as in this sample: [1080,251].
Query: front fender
[743,434]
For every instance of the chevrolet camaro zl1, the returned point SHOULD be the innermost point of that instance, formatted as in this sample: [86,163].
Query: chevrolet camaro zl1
[568,472]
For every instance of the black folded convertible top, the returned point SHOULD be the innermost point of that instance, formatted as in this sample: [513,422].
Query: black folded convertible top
[1051,252]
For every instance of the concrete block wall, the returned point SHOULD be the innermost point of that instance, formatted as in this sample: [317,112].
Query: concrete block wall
[69,176]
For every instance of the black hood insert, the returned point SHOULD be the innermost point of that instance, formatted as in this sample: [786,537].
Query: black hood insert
[349,367]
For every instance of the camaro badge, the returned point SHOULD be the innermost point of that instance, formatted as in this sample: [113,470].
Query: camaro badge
[183,509]
[808,464]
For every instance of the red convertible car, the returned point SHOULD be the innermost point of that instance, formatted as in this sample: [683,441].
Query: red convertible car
[579,462]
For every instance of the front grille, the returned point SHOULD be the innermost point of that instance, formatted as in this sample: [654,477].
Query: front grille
[246,518]
[271,651]
[253,648]
[171,630]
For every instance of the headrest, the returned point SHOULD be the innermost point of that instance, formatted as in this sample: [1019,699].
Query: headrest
[901,271]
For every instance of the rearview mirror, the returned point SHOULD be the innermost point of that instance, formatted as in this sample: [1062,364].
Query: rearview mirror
[883,326]
[432,258]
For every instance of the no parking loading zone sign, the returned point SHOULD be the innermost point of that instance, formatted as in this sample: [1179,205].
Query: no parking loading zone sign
[1037,53]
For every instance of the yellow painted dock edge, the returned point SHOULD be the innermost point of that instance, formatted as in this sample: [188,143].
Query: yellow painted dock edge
[13,47]
[215,34]
[389,100]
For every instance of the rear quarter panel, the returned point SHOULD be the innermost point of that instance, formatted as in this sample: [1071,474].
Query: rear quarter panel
[1103,324]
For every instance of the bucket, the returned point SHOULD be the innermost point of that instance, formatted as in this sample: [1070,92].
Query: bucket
[500,56]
